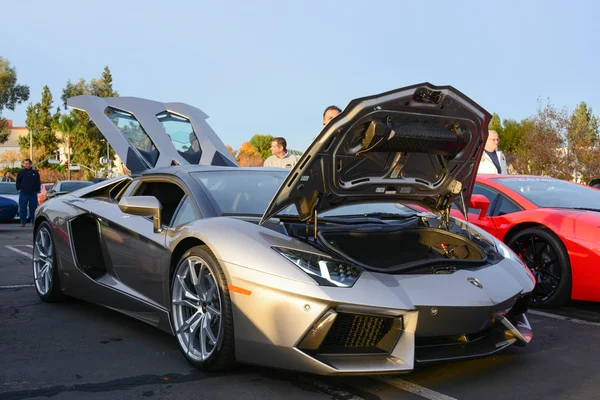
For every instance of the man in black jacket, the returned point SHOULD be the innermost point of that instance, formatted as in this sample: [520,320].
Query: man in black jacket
[28,185]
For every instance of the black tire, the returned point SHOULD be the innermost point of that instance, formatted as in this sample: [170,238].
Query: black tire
[54,293]
[223,354]
[549,262]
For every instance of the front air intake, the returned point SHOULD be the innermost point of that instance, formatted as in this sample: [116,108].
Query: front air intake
[355,333]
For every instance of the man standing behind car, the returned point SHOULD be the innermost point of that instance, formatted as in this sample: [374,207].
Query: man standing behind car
[28,185]
[330,113]
[493,160]
[280,158]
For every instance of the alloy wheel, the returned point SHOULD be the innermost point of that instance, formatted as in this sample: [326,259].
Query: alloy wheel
[543,261]
[43,261]
[196,307]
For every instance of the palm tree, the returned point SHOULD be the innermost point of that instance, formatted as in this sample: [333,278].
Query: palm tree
[67,125]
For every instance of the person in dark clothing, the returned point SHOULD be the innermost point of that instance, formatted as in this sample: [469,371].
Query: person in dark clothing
[28,185]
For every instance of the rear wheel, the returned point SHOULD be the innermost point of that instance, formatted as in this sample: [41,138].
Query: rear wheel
[45,270]
[545,255]
[201,311]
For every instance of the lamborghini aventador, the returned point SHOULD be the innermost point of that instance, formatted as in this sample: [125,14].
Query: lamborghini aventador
[325,268]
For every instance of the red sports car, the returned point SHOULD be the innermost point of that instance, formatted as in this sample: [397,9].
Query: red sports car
[553,225]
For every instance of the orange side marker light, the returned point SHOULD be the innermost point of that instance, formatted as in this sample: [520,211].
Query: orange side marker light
[238,290]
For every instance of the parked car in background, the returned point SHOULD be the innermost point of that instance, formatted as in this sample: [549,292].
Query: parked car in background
[63,187]
[553,226]
[42,194]
[9,194]
[595,183]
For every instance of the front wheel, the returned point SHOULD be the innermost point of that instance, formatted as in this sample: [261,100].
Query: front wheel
[45,270]
[546,257]
[201,311]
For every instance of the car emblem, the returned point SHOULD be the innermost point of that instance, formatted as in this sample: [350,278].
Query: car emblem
[475,282]
[434,311]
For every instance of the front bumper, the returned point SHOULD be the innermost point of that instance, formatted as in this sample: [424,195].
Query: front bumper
[331,331]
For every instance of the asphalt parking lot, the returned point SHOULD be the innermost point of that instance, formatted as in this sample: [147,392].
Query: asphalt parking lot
[76,350]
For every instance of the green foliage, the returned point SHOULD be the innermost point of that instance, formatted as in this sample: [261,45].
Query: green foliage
[40,121]
[263,144]
[495,124]
[582,139]
[512,135]
[11,94]
[86,139]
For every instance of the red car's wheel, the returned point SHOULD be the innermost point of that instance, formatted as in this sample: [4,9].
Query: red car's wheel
[547,258]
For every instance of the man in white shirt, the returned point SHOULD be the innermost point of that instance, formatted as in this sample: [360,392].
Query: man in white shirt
[493,160]
[280,158]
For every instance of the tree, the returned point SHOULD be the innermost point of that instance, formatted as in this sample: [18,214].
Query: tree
[10,158]
[11,94]
[68,126]
[87,143]
[541,150]
[512,135]
[40,122]
[582,142]
[263,144]
[495,124]
[249,156]
[233,152]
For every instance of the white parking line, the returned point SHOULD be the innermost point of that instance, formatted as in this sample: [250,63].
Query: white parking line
[562,318]
[19,251]
[16,286]
[415,389]
[333,391]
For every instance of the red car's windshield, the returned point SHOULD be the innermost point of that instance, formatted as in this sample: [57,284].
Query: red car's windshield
[550,192]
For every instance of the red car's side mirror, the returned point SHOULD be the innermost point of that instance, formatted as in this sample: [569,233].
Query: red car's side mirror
[480,202]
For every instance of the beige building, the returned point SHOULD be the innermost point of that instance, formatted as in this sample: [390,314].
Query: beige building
[13,142]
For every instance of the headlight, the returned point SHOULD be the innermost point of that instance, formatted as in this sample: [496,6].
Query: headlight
[325,271]
[506,251]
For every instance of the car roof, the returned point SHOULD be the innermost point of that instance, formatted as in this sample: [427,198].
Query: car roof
[493,177]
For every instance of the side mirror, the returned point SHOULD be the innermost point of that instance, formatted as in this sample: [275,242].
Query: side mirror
[480,202]
[144,206]
[50,194]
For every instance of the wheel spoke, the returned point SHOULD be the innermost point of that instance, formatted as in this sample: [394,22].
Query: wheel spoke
[188,323]
[546,271]
[211,291]
[187,292]
[39,248]
[213,311]
[209,333]
[186,303]
[197,278]
[203,342]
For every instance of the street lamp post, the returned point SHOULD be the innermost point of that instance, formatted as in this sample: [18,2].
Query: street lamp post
[31,145]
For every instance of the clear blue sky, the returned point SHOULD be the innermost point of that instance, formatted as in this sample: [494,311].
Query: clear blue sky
[273,66]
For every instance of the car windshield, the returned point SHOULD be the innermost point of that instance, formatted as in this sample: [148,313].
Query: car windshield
[550,192]
[71,186]
[250,192]
[8,188]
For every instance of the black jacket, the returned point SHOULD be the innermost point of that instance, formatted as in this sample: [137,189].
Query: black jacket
[28,181]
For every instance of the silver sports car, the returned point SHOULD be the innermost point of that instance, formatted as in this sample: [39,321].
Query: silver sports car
[348,264]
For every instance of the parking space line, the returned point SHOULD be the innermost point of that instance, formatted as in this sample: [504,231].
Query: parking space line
[415,389]
[563,318]
[19,251]
[17,286]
